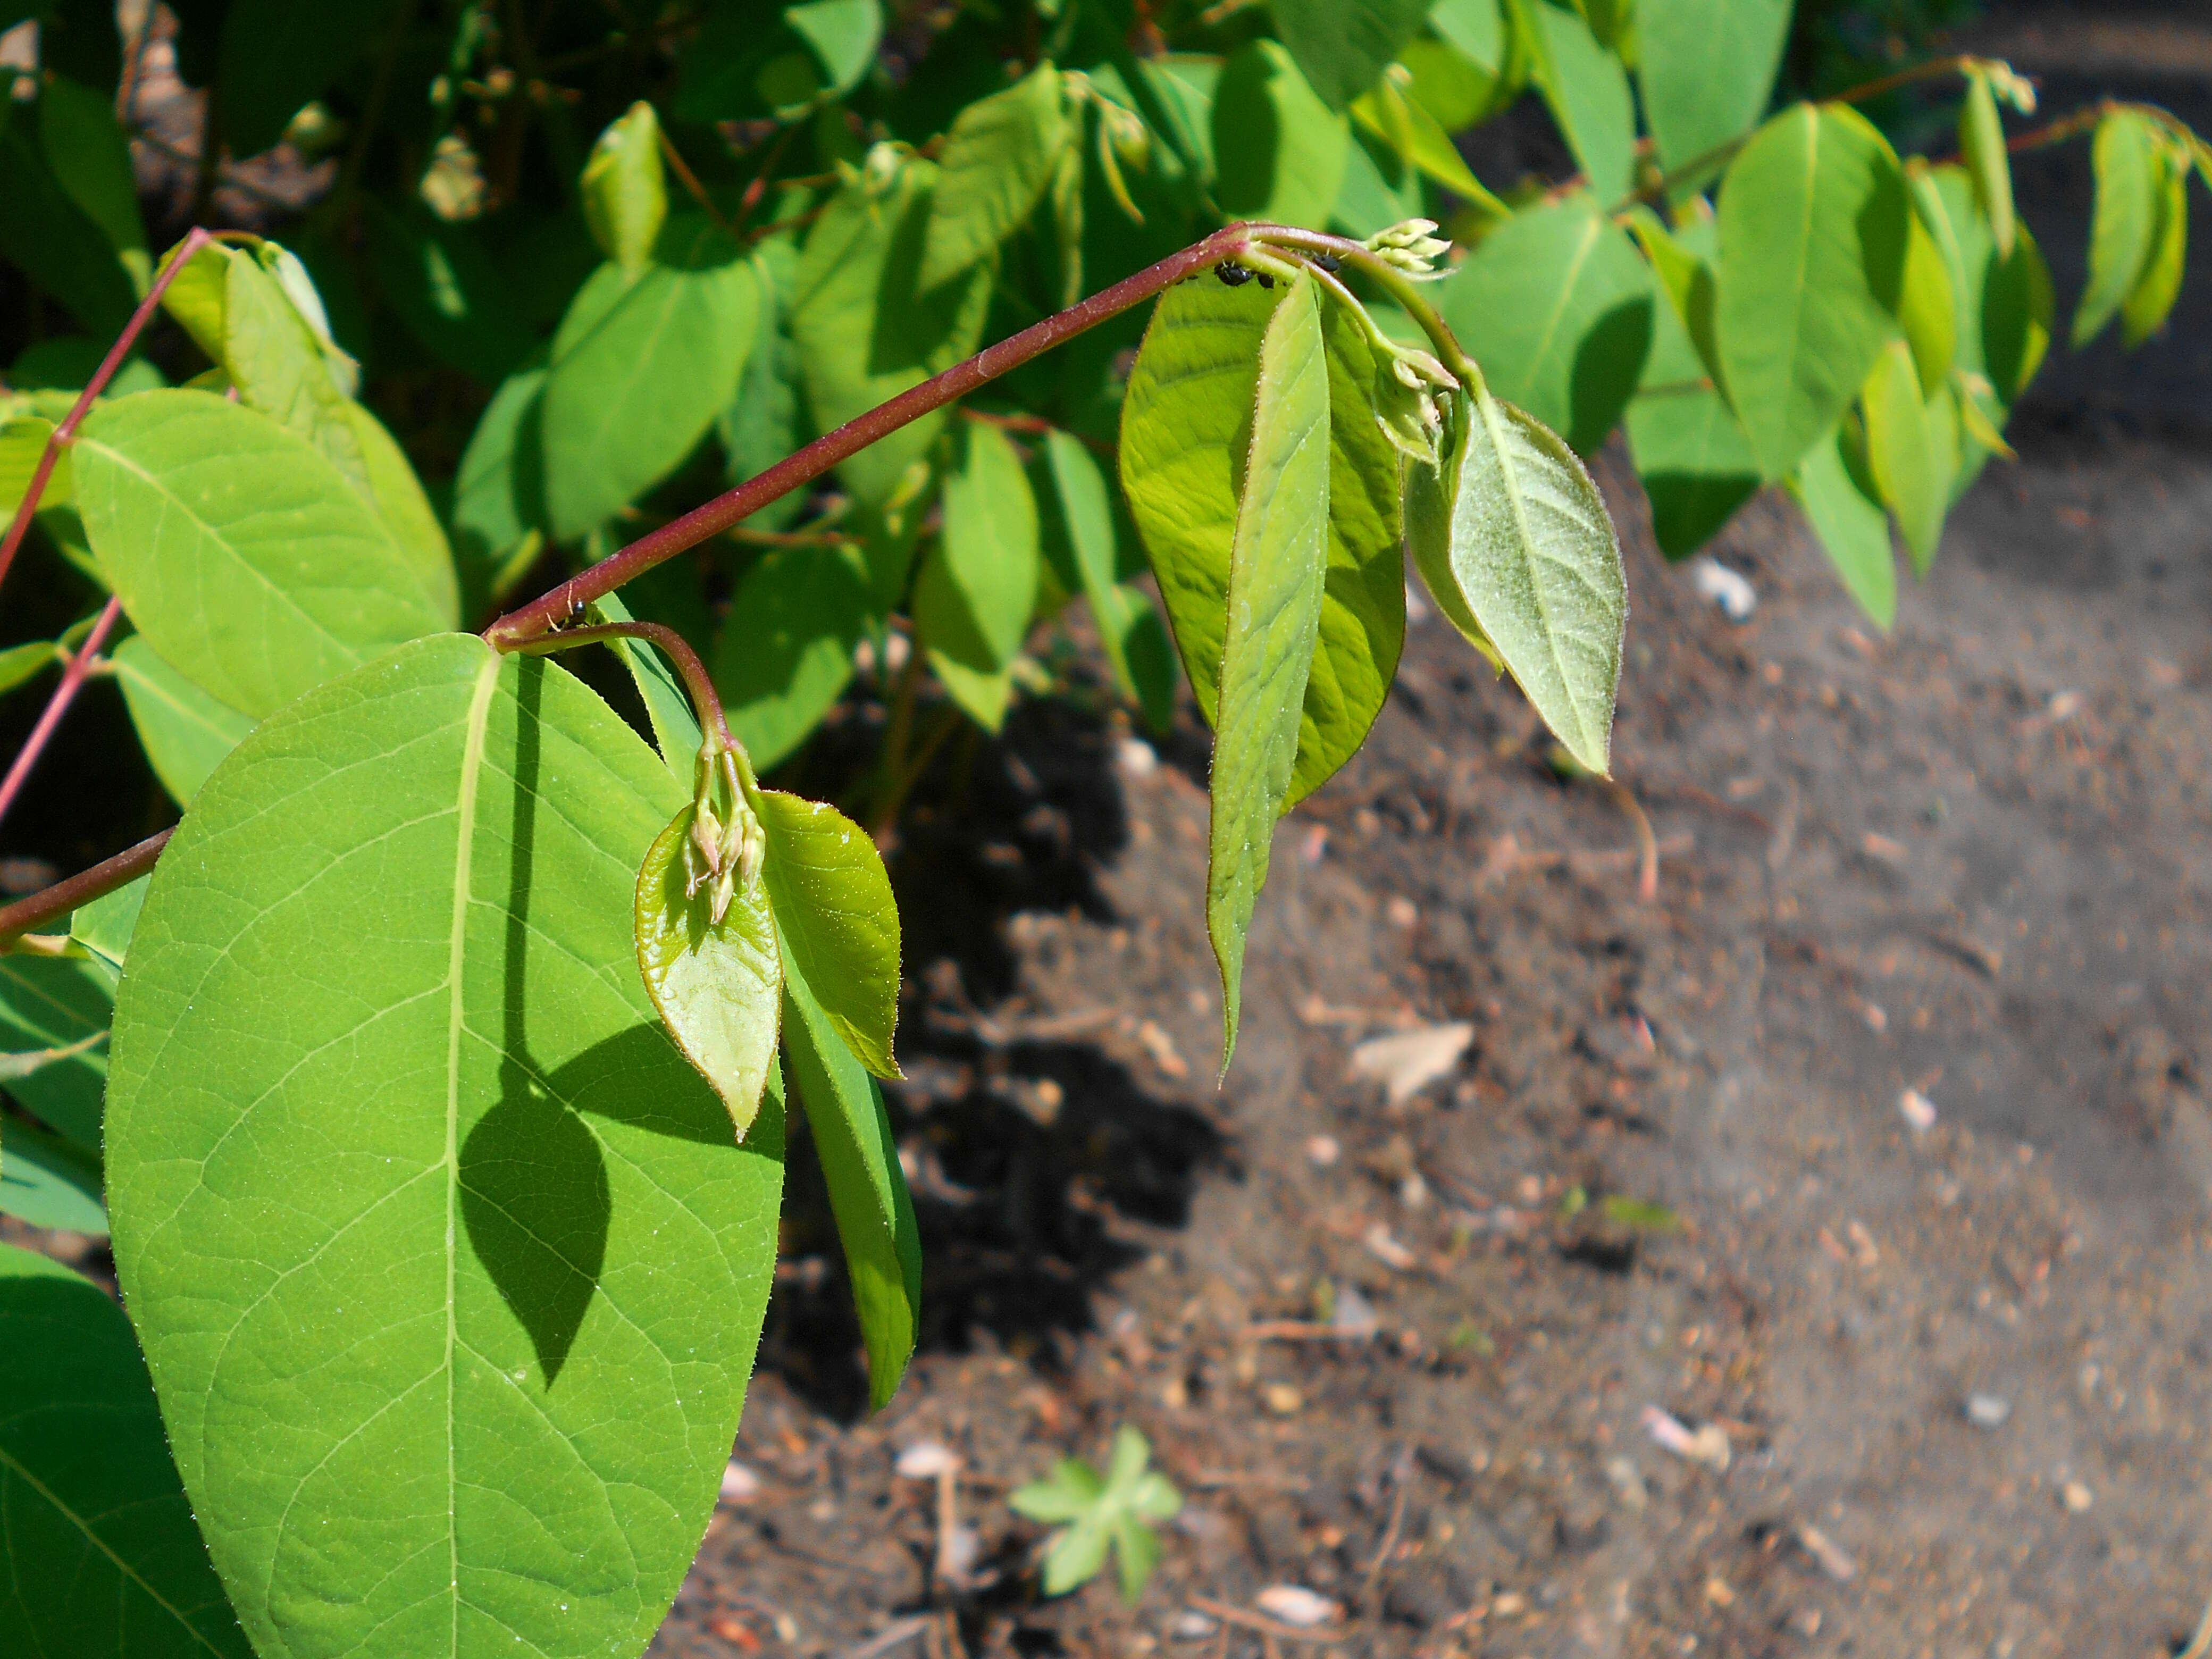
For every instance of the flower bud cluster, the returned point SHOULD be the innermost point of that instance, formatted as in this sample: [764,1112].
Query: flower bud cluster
[1412,246]
[723,850]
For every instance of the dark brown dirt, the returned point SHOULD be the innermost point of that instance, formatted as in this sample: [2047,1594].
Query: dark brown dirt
[1971,860]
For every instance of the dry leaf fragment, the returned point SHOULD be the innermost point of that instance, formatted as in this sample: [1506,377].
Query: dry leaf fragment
[1407,1062]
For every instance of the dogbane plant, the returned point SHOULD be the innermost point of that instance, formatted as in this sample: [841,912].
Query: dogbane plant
[457,1025]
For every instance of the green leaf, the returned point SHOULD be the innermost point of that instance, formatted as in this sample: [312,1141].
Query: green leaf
[2018,310]
[625,189]
[103,926]
[1343,46]
[1706,67]
[185,496]
[1279,150]
[1113,1509]
[1456,92]
[1814,226]
[446,290]
[1418,136]
[1479,30]
[1909,471]
[58,1002]
[277,56]
[843,34]
[784,654]
[2005,307]
[864,331]
[836,920]
[104,1559]
[441,1255]
[2128,156]
[1927,307]
[23,440]
[1185,434]
[398,496]
[1557,307]
[22,663]
[1512,526]
[91,158]
[668,708]
[1381,188]
[718,984]
[48,1182]
[1586,89]
[1982,147]
[640,369]
[50,239]
[1839,503]
[997,160]
[2150,301]
[1137,647]
[1278,564]
[765,422]
[185,732]
[980,590]
[868,1194]
[499,492]
[1694,462]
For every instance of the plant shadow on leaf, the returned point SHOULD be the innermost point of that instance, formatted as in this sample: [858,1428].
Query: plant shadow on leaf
[1606,365]
[535,1196]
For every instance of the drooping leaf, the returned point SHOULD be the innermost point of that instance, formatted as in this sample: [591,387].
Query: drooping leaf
[1423,142]
[1706,67]
[48,1182]
[1512,526]
[625,189]
[441,1253]
[185,732]
[1342,45]
[719,985]
[836,919]
[1927,307]
[1902,453]
[1137,647]
[277,56]
[185,496]
[1695,465]
[1279,151]
[865,330]
[1814,226]
[1278,565]
[2151,299]
[640,369]
[1586,89]
[1839,499]
[997,160]
[2019,309]
[1558,309]
[875,1226]
[50,239]
[90,154]
[1185,430]
[784,654]
[105,1562]
[2128,154]
[58,1003]
[1982,147]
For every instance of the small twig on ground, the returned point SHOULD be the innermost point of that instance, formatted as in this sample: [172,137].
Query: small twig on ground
[896,1634]
[1264,1625]
[1401,1480]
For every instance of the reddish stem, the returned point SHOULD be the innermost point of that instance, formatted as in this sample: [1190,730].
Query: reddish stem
[706,702]
[58,705]
[547,612]
[63,897]
[66,432]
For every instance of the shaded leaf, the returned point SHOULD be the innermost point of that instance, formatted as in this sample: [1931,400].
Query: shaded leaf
[2128,155]
[1694,462]
[1343,46]
[277,55]
[1813,225]
[58,1003]
[416,1380]
[997,160]
[48,1182]
[50,239]
[836,919]
[1586,89]
[185,731]
[499,492]
[1982,147]
[1847,517]
[185,494]
[1137,647]
[1278,564]
[765,422]
[1279,150]
[668,709]
[784,654]
[2151,301]
[625,189]
[446,291]
[91,158]
[1706,67]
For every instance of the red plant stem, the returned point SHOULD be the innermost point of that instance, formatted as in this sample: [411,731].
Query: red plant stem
[706,702]
[58,705]
[65,432]
[542,615]
[63,897]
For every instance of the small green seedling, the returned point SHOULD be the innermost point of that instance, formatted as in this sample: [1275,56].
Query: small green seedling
[1116,1510]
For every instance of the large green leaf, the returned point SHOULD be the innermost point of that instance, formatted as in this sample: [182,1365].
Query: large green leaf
[864,330]
[277,55]
[997,160]
[1814,224]
[836,919]
[2128,155]
[851,1133]
[1279,151]
[242,554]
[50,1003]
[784,654]
[625,189]
[1839,502]
[1927,306]
[1343,46]
[718,984]
[1707,69]
[843,34]
[48,1182]
[1511,531]
[640,367]
[1586,89]
[104,1560]
[1557,307]
[447,1272]
[1278,564]
[1185,435]
[1911,470]
[185,732]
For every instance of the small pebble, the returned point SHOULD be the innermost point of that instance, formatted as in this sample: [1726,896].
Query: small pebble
[1192,1626]
[1282,1400]
[1916,1110]
[1294,1604]
[1323,1150]
[1136,758]
[739,1484]
[926,1460]
[1715,581]
[1987,1410]
[2077,1496]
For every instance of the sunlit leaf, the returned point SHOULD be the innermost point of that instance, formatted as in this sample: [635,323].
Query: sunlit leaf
[105,1562]
[499,492]
[835,918]
[1927,307]
[20,664]
[1095,1512]
[1846,516]
[1706,67]
[625,189]
[843,35]
[2150,301]
[1279,150]
[441,1253]
[997,160]
[1982,147]
[2128,155]
[1419,138]
[1586,89]
[1909,469]
[185,731]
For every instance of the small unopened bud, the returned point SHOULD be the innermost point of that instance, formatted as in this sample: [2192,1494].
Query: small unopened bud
[725,891]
